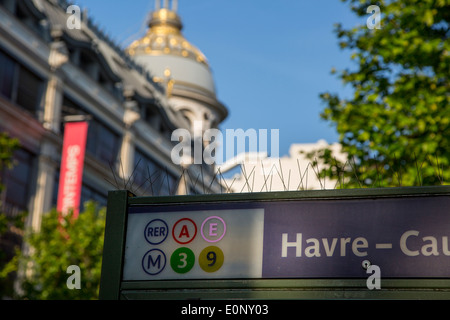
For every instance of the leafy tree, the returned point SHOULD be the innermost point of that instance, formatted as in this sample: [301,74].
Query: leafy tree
[395,128]
[7,147]
[63,242]
[60,243]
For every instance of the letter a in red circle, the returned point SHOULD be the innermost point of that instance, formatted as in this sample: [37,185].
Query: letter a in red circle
[184,231]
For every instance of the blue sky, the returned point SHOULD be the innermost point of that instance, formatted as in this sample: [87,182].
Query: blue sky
[270,59]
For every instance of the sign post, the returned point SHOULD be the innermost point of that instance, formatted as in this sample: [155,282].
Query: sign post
[308,244]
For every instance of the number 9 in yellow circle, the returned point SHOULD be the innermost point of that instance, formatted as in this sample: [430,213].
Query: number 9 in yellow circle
[211,259]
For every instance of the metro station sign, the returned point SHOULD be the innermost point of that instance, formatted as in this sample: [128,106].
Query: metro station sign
[405,237]
[278,235]
[194,243]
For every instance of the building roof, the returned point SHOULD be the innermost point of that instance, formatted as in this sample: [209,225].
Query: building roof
[165,38]
[257,172]
[133,77]
[174,61]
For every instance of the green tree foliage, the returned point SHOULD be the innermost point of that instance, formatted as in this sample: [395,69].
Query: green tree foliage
[62,242]
[7,147]
[395,127]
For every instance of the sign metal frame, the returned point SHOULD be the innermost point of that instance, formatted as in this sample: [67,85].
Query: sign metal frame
[112,285]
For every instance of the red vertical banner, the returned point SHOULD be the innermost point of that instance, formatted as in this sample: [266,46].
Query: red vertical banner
[72,161]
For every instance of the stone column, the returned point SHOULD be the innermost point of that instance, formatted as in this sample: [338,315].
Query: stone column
[59,55]
[49,155]
[45,178]
[53,104]
[131,115]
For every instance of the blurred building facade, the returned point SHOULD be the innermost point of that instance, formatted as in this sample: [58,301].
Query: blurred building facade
[135,99]
[257,172]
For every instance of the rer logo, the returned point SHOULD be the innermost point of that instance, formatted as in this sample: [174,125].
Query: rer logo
[156,231]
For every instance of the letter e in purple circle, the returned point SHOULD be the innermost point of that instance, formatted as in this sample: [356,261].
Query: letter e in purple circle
[213,229]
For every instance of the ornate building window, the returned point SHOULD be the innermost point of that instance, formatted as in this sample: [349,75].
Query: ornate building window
[29,90]
[149,114]
[88,193]
[102,142]
[7,76]
[19,85]
[150,177]
[17,181]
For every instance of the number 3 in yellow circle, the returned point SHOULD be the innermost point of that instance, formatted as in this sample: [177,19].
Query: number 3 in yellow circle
[211,259]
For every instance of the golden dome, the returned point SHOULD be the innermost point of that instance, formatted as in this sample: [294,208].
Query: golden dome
[165,38]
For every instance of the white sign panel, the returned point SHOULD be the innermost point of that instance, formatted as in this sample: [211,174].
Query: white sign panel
[194,244]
